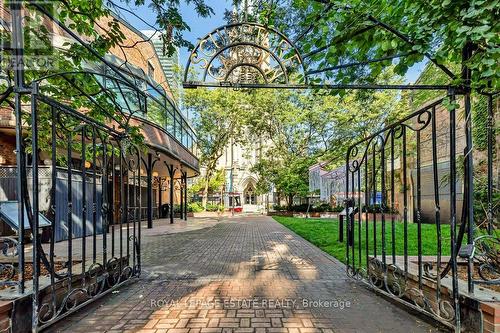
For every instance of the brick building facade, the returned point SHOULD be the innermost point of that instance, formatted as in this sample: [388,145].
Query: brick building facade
[173,136]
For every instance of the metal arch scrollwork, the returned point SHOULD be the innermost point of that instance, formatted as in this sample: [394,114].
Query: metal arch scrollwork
[9,249]
[245,53]
[487,254]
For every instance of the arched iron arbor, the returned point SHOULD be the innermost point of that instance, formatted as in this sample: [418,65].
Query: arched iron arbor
[251,55]
[245,53]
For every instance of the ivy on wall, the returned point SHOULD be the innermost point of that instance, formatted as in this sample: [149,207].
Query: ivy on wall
[480,122]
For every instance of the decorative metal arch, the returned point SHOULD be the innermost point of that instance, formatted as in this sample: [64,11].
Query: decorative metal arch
[252,55]
[245,53]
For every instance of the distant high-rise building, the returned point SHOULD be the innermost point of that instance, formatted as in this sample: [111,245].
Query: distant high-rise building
[169,63]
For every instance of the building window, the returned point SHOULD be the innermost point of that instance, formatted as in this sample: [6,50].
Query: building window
[249,193]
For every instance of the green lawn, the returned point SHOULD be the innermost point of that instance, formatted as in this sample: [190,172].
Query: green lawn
[324,234]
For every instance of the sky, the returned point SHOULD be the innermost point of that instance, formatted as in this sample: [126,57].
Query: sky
[201,26]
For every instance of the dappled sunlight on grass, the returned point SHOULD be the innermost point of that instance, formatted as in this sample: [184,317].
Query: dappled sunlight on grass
[324,234]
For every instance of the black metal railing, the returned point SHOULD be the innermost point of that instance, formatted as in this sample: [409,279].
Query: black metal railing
[93,166]
[82,184]
[410,235]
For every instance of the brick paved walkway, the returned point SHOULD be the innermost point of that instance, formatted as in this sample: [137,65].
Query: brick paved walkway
[244,275]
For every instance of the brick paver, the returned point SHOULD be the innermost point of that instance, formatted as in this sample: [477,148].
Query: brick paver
[243,275]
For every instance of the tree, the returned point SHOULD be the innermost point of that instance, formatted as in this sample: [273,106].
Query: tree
[303,128]
[289,177]
[215,183]
[359,30]
[218,117]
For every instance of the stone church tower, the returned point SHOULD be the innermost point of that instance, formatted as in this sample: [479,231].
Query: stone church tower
[240,181]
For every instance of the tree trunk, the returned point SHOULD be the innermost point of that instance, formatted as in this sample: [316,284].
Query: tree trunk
[290,201]
[204,200]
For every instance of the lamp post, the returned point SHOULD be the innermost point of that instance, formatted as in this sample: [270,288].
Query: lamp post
[232,178]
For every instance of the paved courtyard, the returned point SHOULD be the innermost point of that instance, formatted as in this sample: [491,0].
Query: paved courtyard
[241,275]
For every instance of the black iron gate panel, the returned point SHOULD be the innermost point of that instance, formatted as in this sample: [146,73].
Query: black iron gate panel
[409,201]
[388,244]
[83,179]
[94,245]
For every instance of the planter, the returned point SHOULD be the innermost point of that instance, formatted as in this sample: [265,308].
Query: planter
[329,215]
[322,215]
[280,213]
[211,214]
[205,214]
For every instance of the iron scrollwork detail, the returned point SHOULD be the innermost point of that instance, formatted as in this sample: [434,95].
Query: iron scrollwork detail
[487,255]
[245,53]
[9,249]
[371,181]
[392,279]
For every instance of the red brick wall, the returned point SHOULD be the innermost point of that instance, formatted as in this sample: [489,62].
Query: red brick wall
[491,317]
[6,115]
[7,147]
[5,315]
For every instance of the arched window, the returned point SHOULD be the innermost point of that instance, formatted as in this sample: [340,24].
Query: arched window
[249,194]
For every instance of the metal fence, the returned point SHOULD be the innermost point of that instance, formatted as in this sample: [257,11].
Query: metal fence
[100,227]
[422,239]
[83,180]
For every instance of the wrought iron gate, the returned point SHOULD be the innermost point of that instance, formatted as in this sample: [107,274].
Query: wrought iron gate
[87,206]
[102,221]
[408,206]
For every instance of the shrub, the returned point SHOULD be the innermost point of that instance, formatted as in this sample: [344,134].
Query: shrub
[337,209]
[300,208]
[320,208]
[279,208]
[214,208]
[316,208]
[195,207]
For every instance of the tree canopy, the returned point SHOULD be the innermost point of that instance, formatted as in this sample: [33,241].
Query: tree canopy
[219,117]
[333,32]
[360,30]
[296,129]
[355,31]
